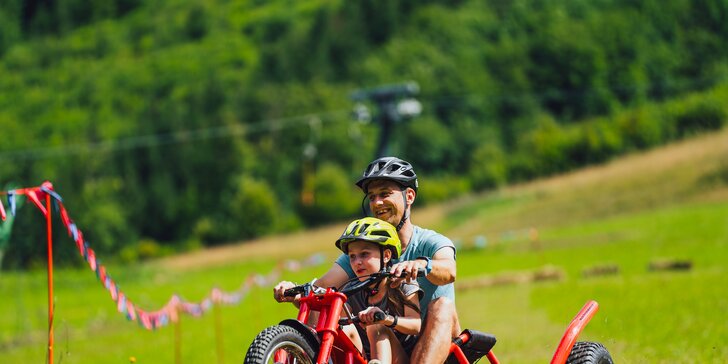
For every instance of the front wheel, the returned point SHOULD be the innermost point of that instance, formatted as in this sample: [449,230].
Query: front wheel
[585,352]
[277,342]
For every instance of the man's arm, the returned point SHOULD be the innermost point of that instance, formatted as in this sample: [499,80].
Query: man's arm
[443,268]
[334,277]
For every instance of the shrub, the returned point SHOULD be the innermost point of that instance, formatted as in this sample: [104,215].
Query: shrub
[488,167]
[437,189]
[255,208]
[702,115]
[641,128]
[331,195]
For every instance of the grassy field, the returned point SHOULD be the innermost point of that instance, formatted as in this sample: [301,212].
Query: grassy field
[670,203]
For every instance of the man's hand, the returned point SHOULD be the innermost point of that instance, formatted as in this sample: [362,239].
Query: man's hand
[280,288]
[408,268]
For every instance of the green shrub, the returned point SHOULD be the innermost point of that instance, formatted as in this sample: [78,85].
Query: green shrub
[332,196]
[700,116]
[488,167]
[255,208]
[441,188]
[547,145]
[592,142]
[641,128]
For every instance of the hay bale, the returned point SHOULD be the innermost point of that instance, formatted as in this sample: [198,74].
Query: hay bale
[547,273]
[670,265]
[601,270]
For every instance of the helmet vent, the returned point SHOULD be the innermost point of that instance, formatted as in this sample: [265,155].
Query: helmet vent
[390,168]
[372,230]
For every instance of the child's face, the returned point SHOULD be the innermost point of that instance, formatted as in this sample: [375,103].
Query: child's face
[364,257]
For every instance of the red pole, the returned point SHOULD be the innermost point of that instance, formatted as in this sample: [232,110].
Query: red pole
[50,278]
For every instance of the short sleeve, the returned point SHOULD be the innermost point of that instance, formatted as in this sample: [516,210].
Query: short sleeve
[431,242]
[345,264]
[411,288]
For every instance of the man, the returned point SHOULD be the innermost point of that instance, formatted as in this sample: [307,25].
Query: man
[390,186]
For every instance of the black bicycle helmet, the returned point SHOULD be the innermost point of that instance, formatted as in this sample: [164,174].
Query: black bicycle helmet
[391,168]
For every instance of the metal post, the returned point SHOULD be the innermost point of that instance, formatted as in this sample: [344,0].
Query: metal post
[50,278]
[395,103]
[218,333]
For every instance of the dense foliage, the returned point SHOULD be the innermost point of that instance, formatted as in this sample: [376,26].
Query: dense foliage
[173,124]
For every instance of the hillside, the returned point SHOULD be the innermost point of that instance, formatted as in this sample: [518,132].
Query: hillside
[693,170]
[167,123]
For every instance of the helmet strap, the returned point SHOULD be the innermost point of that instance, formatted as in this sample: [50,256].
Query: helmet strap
[405,216]
[363,209]
[374,290]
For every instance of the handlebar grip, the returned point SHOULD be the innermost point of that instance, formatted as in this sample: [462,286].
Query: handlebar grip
[421,272]
[378,316]
[347,321]
[291,292]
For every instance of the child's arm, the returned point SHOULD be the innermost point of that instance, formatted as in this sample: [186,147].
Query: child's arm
[381,343]
[409,323]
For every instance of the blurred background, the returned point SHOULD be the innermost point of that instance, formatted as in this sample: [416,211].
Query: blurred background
[177,125]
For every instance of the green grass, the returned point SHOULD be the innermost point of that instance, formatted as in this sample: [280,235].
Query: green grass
[89,330]
[644,316]
[625,214]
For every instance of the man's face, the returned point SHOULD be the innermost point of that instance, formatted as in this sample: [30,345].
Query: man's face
[386,201]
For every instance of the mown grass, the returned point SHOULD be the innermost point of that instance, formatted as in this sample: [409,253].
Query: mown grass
[89,330]
[668,204]
[645,316]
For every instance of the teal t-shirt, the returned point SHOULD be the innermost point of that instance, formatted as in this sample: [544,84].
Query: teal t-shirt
[424,243]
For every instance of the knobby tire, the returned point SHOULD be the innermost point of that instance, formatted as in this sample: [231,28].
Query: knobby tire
[585,352]
[280,337]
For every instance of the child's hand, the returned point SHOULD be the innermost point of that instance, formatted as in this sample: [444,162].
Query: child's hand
[367,316]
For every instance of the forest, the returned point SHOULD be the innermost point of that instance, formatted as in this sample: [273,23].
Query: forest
[180,124]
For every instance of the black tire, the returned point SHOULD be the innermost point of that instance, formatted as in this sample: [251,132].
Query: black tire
[276,338]
[585,352]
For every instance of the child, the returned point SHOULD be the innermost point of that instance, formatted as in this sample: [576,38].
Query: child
[371,244]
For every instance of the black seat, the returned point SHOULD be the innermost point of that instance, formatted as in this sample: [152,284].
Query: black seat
[479,344]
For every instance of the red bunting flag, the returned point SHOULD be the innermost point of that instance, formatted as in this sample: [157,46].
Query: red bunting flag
[34,197]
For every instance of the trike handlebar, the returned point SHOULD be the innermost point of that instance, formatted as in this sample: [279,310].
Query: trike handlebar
[306,289]
[378,316]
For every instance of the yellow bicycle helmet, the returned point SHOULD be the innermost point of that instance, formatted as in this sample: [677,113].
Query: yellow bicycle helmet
[372,230]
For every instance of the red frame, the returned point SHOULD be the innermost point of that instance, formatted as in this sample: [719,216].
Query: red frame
[335,343]
[573,330]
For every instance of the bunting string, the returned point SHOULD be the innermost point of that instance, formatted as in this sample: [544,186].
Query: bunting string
[176,305]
